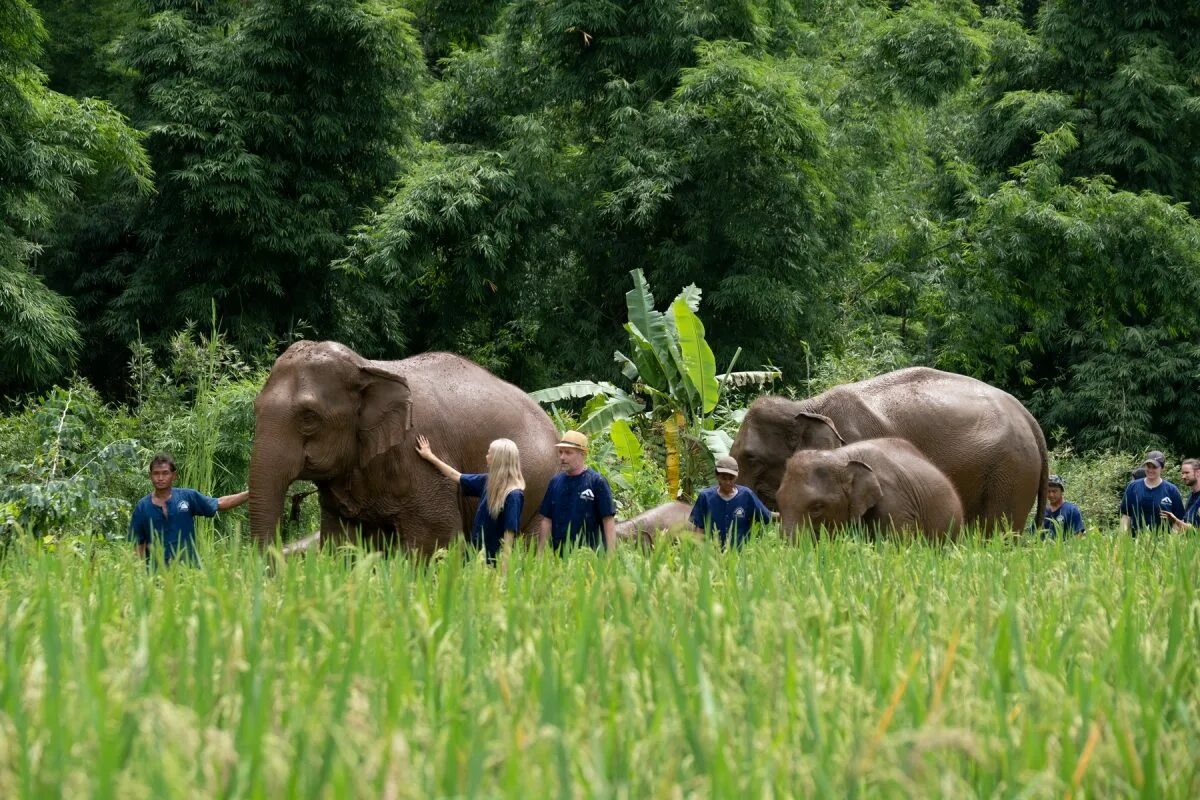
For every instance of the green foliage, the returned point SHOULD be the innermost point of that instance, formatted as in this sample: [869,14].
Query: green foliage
[73,465]
[48,143]
[675,388]
[585,140]
[1085,297]
[926,52]
[1122,74]
[267,154]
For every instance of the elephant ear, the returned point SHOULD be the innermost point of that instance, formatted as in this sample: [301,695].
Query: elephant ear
[862,488]
[814,432]
[385,414]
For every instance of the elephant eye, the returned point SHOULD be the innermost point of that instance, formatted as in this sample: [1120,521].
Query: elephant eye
[310,420]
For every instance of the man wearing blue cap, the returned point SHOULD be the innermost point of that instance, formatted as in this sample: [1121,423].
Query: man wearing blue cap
[1062,517]
[1145,500]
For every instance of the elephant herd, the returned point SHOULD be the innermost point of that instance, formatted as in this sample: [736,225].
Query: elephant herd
[916,449]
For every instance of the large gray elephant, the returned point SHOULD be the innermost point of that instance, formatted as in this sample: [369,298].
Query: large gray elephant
[881,484]
[982,438]
[349,425]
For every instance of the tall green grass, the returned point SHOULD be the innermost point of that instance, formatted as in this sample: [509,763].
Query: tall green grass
[836,669]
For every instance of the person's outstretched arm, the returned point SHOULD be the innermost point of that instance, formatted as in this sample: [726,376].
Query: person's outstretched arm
[232,500]
[424,451]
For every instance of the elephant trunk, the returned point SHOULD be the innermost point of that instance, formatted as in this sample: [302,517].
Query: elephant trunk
[273,467]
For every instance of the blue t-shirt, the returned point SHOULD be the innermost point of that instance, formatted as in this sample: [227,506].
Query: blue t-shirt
[176,530]
[1142,504]
[1068,519]
[576,506]
[1191,514]
[716,514]
[487,532]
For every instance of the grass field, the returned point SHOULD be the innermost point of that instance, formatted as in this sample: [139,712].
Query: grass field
[844,669]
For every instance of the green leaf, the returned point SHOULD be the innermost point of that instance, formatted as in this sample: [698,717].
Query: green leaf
[654,328]
[626,443]
[698,362]
[718,442]
[612,409]
[577,390]
[628,368]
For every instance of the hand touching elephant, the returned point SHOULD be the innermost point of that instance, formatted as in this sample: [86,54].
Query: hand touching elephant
[882,484]
[981,438]
[346,423]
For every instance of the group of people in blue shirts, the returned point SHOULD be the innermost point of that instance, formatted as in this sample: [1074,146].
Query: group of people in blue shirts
[1149,503]
[578,507]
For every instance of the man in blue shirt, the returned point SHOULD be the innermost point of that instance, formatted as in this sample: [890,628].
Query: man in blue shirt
[728,509]
[578,506]
[1189,471]
[166,516]
[1062,516]
[1145,500]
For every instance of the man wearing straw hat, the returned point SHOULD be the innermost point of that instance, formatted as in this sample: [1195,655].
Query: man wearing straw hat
[578,506]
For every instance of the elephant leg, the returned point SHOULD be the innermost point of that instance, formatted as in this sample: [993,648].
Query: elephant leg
[334,530]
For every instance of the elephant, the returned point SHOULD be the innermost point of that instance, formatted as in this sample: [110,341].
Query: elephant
[647,525]
[882,484]
[349,425]
[981,438]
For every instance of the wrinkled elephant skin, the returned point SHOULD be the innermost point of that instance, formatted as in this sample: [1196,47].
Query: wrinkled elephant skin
[882,485]
[981,438]
[350,424]
[643,528]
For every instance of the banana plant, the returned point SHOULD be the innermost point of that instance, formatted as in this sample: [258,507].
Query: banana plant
[674,387]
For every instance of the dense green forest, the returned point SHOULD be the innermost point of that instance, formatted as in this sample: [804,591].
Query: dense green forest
[1002,188]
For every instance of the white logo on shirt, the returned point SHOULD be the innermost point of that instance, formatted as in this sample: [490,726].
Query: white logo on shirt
[183,506]
[1166,501]
[739,513]
[587,494]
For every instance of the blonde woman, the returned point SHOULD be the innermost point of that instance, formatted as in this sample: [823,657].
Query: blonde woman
[501,491]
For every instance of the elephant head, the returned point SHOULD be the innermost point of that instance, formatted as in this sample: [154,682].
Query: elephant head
[823,488]
[324,412]
[773,429]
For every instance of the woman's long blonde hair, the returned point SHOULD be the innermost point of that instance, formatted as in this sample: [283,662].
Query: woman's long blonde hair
[504,475]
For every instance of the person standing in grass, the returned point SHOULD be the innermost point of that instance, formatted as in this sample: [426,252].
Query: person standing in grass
[1145,500]
[578,506]
[1062,517]
[166,516]
[1189,472]
[728,509]
[501,491]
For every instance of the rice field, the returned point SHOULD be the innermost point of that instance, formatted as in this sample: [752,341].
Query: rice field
[840,669]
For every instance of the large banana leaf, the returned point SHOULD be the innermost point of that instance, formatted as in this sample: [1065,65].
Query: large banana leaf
[718,442]
[699,365]
[626,443]
[654,328]
[577,390]
[650,368]
[614,408]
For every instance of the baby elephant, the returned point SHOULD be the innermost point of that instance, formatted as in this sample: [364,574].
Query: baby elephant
[883,484]
[645,527]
